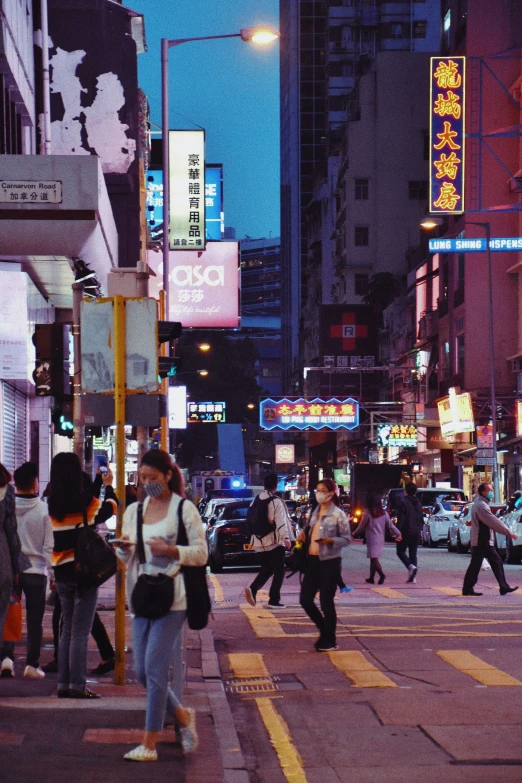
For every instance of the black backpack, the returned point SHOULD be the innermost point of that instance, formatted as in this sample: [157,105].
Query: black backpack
[257,518]
[94,559]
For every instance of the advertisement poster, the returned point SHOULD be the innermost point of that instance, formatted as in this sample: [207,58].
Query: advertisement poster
[13,326]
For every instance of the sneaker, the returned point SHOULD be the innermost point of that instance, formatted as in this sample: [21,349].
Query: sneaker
[51,667]
[346,589]
[141,753]
[412,570]
[189,734]
[279,605]
[249,595]
[7,668]
[327,649]
[34,673]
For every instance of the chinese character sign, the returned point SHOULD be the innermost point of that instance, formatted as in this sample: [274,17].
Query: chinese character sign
[291,413]
[455,414]
[187,190]
[403,436]
[215,219]
[211,412]
[447,92]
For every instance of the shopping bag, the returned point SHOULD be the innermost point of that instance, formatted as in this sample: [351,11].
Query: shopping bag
[13,620]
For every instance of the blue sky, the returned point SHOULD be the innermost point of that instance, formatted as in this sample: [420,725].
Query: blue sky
[230,88]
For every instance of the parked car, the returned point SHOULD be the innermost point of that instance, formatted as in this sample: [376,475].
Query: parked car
[228,539]
[210,507]
[459,530]
[428,497]
[513,519]
[500,538]
[435,530]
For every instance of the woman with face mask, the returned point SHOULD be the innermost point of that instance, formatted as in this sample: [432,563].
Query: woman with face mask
[328,532]
[156,641]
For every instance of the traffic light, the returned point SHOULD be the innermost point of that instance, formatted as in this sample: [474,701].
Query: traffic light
[51,372]
[168,331]
[168,366]
[62,420]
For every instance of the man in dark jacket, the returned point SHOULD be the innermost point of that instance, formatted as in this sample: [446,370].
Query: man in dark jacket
[410,520]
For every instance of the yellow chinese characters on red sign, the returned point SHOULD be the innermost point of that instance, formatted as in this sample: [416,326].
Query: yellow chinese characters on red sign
[447,128]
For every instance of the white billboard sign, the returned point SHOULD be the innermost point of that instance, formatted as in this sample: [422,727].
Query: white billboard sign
[187,190]
[177,407]
[13,326]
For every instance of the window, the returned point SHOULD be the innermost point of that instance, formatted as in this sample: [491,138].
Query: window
[361,189]
[461,259]
[418,189]
[396,30]
[366,34]
[419,29]
[362,236]
[361,284]
[459,355]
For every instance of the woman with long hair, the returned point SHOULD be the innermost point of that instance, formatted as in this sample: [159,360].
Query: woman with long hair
[328,532]
[373,525]
[156,641]
[9,552]
[70,497]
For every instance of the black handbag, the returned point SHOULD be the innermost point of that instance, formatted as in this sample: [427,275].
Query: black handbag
[94,559]
[196,587]
[152,596]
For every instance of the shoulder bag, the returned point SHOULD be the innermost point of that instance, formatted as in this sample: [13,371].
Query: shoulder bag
[94,559]
[196,588]
[152,596]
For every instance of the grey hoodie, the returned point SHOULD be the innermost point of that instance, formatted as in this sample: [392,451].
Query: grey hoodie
[35,532]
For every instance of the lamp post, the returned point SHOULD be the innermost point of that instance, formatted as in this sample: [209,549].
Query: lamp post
[430,223]
[258,35]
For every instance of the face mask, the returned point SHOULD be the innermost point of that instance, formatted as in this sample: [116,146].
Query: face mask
[322,497]
[154,489]
[490,496]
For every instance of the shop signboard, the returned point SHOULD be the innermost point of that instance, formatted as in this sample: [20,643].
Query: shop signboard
[348,336]
[214,216]
[177,407]
[484,435]
[447,132]
[14,355]
[285,454]
[518,416]
[206,412]
[403,436]
[187,189]
[297,413]
[341,478]
[455,414]
[475,245]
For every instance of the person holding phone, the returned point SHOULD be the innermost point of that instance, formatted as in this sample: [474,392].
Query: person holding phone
[327,533]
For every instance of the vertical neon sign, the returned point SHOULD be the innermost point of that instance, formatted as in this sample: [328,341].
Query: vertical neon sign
[447,126]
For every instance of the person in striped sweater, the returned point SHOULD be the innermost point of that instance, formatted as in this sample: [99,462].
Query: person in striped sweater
[69,499]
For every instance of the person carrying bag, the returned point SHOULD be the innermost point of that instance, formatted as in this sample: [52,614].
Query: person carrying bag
[159,560]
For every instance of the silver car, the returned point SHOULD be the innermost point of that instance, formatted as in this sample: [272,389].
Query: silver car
[435,530]
[459,531]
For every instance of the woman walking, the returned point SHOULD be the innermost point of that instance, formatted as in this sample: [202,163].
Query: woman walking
[327,534]
[9,551]
[155,641]
[373,525]
[69,499]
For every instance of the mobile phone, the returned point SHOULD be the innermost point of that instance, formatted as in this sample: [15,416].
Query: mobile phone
[104,469]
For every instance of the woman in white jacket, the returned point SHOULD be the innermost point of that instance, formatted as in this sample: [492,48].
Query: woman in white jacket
[155,641]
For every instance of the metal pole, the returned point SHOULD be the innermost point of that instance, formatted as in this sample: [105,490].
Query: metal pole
[164,422]
[142,433]
[45,145]
[487,227]
[119,419]
[79,431]
[165,142]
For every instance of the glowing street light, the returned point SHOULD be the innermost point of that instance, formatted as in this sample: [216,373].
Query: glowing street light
[259,35]
[430,222]
[251,406]
[203,373]
[204,347]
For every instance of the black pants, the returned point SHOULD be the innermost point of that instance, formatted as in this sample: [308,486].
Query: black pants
[99,634]
[33,587]
[322,575]
[409,542]
[272,562]
[478,553]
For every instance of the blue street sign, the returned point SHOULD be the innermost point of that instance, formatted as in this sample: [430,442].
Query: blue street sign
[475,245]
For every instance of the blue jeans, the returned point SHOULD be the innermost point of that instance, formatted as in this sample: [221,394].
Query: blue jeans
[78,608]
[154,643]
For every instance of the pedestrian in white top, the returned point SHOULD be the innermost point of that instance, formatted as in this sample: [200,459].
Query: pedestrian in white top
[155,641]
[271,548]
[36,538]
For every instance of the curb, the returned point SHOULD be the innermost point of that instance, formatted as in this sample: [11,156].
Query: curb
[232,759]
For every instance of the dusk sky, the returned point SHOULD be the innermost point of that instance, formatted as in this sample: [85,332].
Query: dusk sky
[231,89]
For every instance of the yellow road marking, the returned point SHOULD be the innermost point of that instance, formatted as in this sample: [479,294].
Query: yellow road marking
[263,622]
[247,665]
[219,596]
[448,591]
[481,671]
[289,758]
[359,670]
[388,592]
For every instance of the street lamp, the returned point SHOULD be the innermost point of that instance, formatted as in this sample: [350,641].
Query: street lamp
[262,34]
[430,223]
[204,347]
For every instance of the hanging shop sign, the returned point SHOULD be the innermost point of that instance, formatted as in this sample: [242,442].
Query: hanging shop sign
[447,129]
[187,190]
[177,407]
[285,454]
[518,416]
[455,414]
[214,215]
[296,413]
[475,245]
[484,435]
[403,436]
[211,412]
[348,336]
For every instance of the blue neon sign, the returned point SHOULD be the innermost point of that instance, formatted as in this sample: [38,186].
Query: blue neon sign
[475,245]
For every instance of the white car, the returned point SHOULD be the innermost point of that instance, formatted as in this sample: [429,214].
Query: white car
[459,531]
[435,530]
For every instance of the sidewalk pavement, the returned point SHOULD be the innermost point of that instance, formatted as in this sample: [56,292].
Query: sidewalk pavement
[43,739]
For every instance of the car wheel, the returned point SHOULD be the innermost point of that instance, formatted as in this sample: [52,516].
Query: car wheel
[450,546]
[216,566]
[461,549]
[431,543]
[513,553]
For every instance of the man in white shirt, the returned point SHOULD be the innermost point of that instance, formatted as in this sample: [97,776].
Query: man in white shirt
[36,537]
[271,548]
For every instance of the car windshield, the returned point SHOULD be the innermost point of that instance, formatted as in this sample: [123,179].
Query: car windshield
[429,498]
[449,505]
